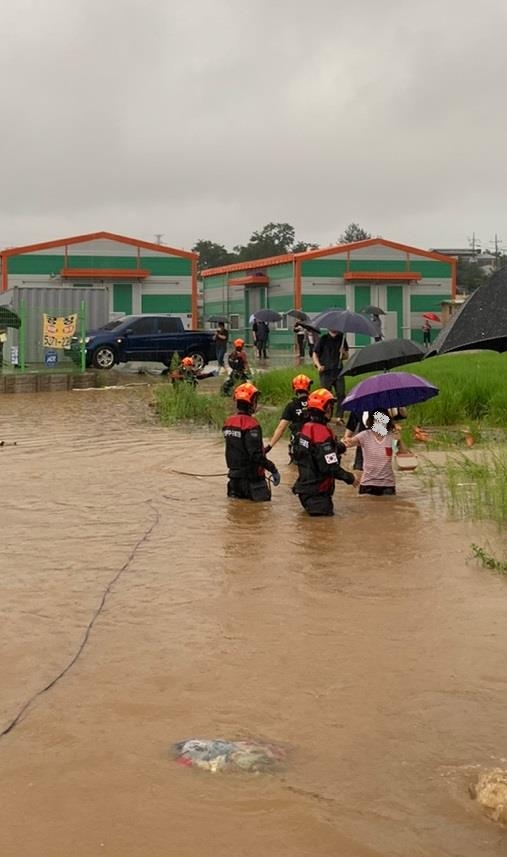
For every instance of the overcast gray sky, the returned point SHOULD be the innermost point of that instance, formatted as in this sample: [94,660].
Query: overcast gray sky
[210,118]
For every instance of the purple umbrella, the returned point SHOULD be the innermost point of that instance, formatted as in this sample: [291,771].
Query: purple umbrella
[389,390]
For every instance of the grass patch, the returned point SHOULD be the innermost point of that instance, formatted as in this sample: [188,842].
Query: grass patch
[473,388]
[477,488]
[181,403]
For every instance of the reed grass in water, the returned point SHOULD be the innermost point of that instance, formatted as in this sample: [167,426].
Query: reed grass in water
[181,403]
[477,488]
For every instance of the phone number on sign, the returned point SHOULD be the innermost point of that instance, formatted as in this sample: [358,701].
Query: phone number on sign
[56,341]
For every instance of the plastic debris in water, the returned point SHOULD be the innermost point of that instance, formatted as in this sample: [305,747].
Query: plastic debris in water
[220,755]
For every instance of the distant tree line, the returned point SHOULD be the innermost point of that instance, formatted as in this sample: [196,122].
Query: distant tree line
[278,239]
[274,239]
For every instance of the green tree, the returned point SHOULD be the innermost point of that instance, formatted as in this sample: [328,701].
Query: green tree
[353,232]
[469,276]
[211,255]
[303,246]
[274,239]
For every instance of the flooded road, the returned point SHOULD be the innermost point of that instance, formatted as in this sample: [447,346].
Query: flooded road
[140,607]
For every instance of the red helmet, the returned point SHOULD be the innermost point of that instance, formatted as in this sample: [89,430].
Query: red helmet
[187,361]
[239,343]
[246,393]
[320,399]
[302,382]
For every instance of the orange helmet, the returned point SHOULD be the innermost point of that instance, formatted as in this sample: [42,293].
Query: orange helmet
[187,361]
[239,343]
[246,393]
[302,382]
[320,399]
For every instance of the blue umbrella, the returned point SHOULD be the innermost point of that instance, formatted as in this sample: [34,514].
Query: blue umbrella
[344,321]
[389,390]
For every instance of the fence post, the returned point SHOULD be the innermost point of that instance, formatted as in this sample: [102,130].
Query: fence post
[22,335]
[82,334]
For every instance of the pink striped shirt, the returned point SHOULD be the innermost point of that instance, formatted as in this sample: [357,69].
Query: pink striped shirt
[377,459]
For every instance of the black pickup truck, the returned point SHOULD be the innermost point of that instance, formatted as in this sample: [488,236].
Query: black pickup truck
[143,338]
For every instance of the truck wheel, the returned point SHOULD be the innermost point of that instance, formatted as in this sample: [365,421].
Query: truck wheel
[104,357]
[198,359]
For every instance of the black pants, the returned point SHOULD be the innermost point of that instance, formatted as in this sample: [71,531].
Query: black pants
[301,345]
[335,384]
[243,489]
[317,505]
[261,346]
[378,490]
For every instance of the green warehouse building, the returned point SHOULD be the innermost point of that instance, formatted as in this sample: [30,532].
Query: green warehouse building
[403,281]
[136,276]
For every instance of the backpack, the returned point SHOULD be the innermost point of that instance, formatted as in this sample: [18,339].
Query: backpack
[236,362]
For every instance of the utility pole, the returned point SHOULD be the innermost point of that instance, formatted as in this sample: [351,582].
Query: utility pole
[498,247]
[475,244]
[159,236]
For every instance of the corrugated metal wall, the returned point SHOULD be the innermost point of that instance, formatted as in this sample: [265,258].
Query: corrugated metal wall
[55,301]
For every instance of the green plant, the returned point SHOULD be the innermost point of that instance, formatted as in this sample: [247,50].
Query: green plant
[183,403]
[489,561]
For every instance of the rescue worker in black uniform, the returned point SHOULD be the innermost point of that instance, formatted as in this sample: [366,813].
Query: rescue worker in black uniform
[244,450]
[317,454]
[188,374]
[238,361]
[294,414]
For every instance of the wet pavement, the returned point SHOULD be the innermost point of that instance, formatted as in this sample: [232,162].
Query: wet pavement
[140,607]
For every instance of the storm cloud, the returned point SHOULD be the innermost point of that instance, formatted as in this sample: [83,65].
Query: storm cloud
[210,119]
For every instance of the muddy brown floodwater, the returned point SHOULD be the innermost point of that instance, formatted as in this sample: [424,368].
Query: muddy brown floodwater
[367,642]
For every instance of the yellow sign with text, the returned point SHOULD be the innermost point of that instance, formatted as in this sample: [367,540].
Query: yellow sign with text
[58,330]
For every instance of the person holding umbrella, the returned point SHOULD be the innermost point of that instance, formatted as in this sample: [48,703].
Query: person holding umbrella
[328,356]
[221,339]
[378,443]
[426,331]
[260,330]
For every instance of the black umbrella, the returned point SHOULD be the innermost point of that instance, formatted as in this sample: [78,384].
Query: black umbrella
[344,321]
[298,314]
[8,318]
[372,310]
[480,323]
[382,356]
[216,319]
[267,315]
[310,327]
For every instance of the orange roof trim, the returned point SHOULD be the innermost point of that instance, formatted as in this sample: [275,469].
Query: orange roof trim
[103,273]
[371,242]
[382,275]
[252,280]
[94,236]
[326,251]
[247,266]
